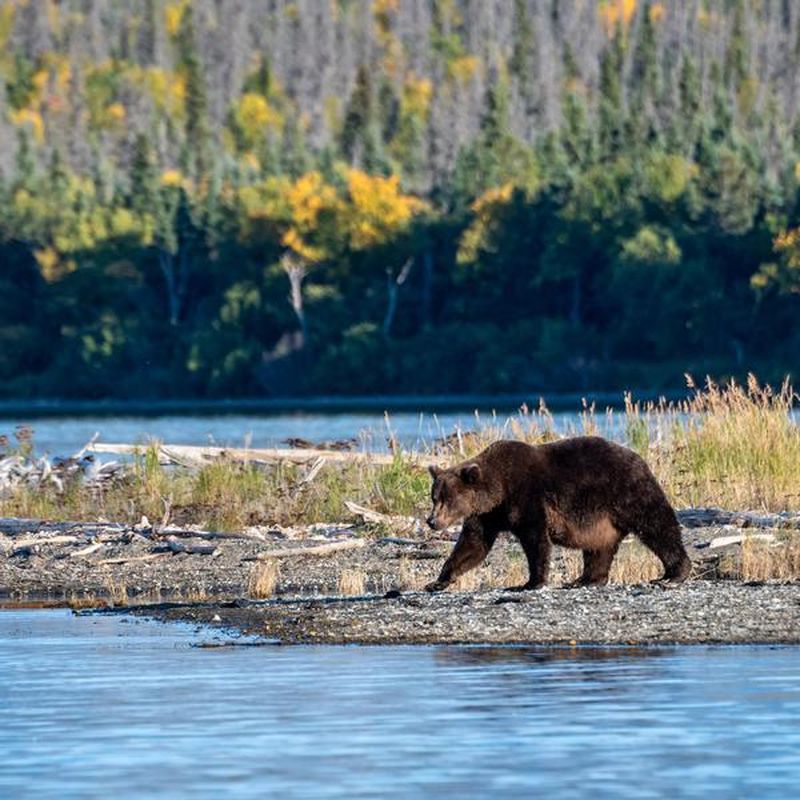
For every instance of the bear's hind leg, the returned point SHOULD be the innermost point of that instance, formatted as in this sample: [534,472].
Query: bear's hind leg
[666,542]
[596,566]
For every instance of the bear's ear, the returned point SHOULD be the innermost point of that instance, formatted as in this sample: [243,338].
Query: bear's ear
[434,471]
[471,473]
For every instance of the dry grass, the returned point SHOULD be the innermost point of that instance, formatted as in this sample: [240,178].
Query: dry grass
[516,572]
[117,593]
[634,563]
[763,561]
[414,575]
[263,579]
[351,582]
[734,446]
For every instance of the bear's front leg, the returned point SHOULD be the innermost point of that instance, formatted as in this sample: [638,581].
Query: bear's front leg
[471,549]
[536,545]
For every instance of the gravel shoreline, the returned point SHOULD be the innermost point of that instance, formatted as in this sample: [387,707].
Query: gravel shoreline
[344,583]
[699,612]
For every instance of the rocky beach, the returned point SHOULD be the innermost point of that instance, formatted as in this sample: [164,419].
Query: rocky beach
[361,583]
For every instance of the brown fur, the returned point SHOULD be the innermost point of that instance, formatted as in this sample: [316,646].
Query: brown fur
[584,493]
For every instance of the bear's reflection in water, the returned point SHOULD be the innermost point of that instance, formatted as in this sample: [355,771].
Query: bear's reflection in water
[476,655]
[539,676]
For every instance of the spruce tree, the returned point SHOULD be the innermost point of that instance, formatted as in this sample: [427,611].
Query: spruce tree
[24,162]
[361,140]
[496,156]
[611,109]
[196,155]
[523,58]
[143,178]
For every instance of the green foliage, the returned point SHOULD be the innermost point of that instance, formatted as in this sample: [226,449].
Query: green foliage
[497,156]
[596,219]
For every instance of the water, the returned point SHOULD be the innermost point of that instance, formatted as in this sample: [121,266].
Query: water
[107,707]
[66,435]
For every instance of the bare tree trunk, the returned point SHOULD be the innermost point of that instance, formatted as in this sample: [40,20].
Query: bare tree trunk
[184,268]
[176,268]
[167,262]
[427,287]
[296,271]
[393,284]
[575,315]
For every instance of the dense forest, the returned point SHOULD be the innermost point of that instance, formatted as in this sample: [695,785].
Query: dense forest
[265,197]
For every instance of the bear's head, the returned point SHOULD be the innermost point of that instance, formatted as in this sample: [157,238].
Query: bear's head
[456,493]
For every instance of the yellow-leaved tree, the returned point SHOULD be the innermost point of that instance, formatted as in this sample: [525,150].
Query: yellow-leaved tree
[486,211]
[377,213]
[304,214]
[783,274]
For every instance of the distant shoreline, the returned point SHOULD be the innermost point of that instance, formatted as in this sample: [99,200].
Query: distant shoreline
[572,401]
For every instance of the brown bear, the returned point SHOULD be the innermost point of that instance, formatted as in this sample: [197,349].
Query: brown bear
[584,493]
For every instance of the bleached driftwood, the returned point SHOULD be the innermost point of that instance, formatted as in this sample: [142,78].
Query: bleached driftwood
[376,517]
[708,517]
[86,551]
[314,550]
[132,559]
[23,470]
[177,546]
[728,541]
[192,455]
[16,526]
[210,535]
[35,541]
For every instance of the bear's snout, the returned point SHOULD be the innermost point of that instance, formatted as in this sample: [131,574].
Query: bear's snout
[432,522]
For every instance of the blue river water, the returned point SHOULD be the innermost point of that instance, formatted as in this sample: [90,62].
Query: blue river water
[100,706]
[63,436]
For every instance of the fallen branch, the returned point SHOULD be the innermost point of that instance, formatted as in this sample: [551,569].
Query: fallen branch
[368,515]
[728,541]
[708,517]
[85,551]
[191,455]
[14,527]
[131,559]
[39,541]
[211,535]
[177,546]
[316,550]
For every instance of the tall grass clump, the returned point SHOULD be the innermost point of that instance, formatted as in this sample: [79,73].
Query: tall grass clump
[400,487]
[735,446]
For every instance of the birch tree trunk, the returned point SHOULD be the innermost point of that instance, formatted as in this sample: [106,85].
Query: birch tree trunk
[167,262]
[393,284]
[296,270]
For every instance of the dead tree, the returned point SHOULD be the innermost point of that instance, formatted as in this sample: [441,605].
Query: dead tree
[296,270]
[393,284]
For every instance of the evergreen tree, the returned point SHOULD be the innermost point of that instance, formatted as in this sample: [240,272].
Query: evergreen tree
[361,140]
[196,156]
[644,76]
[143,178]
[690,99]
[523,58]
[24,162]
[497,156]
[611,110]
[736,55]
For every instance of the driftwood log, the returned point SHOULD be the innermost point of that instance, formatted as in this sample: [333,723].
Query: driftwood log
[194,456]
[314,550]
[709,517]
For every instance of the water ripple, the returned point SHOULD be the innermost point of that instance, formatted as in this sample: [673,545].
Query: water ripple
[104,707]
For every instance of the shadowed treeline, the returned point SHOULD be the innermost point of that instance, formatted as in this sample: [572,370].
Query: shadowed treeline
[421,196]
